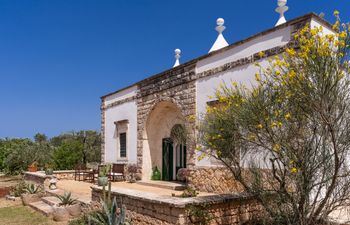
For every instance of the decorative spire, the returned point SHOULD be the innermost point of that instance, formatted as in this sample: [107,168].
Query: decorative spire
[281,9]
[177,57]
[220,40]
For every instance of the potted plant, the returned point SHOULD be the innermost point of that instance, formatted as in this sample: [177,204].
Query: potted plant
[31,194]
[182,174]
[103,175]
[156,174]
[33,167]
[67,206]
[132,170]
[48,169]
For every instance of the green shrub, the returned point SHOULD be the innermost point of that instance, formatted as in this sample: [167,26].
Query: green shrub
[68,155]
[19,189]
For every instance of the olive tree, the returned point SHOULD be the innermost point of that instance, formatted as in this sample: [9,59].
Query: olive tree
[286,140]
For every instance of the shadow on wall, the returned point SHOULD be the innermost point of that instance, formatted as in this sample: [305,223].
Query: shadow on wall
[159,123]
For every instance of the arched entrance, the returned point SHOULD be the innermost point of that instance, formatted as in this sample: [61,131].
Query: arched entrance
[163,146]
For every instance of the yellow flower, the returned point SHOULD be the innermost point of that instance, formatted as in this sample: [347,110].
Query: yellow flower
[280,124]
[291,51]
[287,116]
[336,13]
[336,25]
[276,147]
[343,35]
[273,124]
[257,77]
[261,54]
[260,126]
[294,170]
[251,137]
[313,32]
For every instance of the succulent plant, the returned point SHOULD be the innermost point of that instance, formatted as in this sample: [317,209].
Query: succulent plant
[32,188]
[66,199]
[109,215]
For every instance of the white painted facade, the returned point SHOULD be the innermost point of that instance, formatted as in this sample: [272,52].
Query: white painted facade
[124,112]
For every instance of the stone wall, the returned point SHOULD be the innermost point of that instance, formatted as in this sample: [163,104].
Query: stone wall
[35,177]
[154,209]
[213,179]
[176,86]
[103,124]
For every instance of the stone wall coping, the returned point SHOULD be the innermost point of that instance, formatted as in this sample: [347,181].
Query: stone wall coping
[43,175]
[177,202]
[63,171]
[36,174]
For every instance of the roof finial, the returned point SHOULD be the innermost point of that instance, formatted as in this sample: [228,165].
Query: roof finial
[220,40]
[281,9]
[177,57]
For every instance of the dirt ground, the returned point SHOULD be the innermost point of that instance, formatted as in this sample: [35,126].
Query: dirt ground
[6,182]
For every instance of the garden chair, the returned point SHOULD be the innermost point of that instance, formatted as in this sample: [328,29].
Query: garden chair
[117,172]
[81,173]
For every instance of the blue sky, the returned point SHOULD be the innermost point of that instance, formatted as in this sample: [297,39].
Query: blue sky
[57,57]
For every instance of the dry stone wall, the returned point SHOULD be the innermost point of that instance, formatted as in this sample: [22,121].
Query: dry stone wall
[213,179]
[161,210]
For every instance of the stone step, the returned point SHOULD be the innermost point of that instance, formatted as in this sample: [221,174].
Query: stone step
[86,200]
[51,200]
[176,186]
[42,207]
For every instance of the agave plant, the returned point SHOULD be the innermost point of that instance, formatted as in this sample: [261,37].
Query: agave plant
[109,215]
[66,199]
[32,189]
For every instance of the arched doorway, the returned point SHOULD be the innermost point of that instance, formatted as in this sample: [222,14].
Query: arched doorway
[162,147]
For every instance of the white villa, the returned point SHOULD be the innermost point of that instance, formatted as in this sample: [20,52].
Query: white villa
[138,120]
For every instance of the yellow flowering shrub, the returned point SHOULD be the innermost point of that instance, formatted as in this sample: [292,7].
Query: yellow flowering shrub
[295,120]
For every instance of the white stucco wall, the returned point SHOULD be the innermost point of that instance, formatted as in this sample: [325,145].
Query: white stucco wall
[258,44]
[206,87]
[125,111]
[243,75]
[120,95]
[326,30]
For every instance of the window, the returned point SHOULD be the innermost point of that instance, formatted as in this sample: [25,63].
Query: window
[121,137]
[122,145]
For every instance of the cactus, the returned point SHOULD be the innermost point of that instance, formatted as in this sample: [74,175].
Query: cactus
[107,197]
[109,214]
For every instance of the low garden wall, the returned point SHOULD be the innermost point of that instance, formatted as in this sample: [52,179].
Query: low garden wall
[40,177]
[152,209]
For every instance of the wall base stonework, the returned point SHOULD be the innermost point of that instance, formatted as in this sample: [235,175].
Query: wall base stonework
[214,179]
[151,209]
